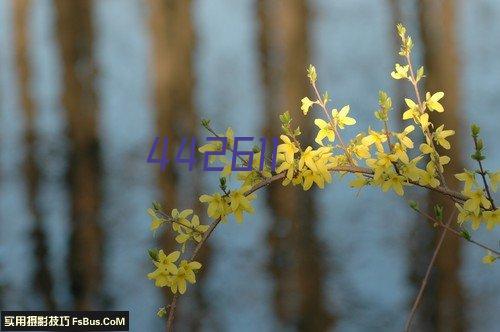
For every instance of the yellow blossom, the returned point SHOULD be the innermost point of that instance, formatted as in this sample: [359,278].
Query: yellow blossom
[288,148]
[428,177]
[440,136]
[165,267]
[156,222]
[395,182]
[306,105]
[413,110]
[489,258]
[492,218]
[404,139]
[217,205]
[289,167]
[465,215]
[307,158]
[184,273]
[424,120]
[432,101]
[180,218]
[341,118]
[358,182]
[476,198]
[240,203]
[193,231]
[468,177]
[376,138]
[494,179]
[400,71]
[325,130]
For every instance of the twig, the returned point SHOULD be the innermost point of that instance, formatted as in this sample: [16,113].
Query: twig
[428,273]
[483,176]
[454,231]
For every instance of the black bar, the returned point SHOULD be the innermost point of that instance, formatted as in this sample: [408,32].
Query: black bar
[65,321]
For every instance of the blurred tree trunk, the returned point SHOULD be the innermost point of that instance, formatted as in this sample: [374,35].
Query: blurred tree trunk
[42,278]
[296,255]
[443,306]
[75,36]
[173,40]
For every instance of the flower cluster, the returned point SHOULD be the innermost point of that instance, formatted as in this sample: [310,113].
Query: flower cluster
[379,157]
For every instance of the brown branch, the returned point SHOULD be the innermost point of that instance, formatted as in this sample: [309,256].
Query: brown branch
[428,273]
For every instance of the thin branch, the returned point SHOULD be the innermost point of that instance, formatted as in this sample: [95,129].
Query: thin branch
[434,221]
[483,176]
[428,273]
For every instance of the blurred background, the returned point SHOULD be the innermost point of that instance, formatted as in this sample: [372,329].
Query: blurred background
[85,86]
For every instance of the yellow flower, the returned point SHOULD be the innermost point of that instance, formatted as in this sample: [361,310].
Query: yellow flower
[288,148]
[492,218]
[341,118]
[240,203]
[410,169]
[249,178]
[325,130]
[400,71]
[476,199]
[217,205]
[184,273]
[404,139]
[386,160]
[376,138]
[489,258]
[494,179]
[165,267]
[193,231]
[395,182]
[307,158]
[432,102]
[424,120]
[468,177]
[428,177]
[216,145]
[286,166]
[156,222]
[413,110]
[426,148]
[358,182]
[306,105]
[400,152]
[440,136]
[465,215]
[180,218]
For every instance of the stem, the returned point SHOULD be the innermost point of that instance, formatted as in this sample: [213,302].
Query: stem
[483,176]
[433,220]
[428,274]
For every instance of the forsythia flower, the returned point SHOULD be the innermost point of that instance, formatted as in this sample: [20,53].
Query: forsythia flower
[341,118]
[240,203]
[413,110]
[193,230]
[165,267]
[184,273]
[217,205]
[288,148]
[325,130]
[306,105]
[440,136]
[476,199]
[180,218]
[492,218]
[400,71]
[155,221]
[465,215]
[432,102]
[404,139]
[494,179]
[395,182]
[489,258]
[376,138]
[428,177]
[468,177]
[249,178]
[216,145]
